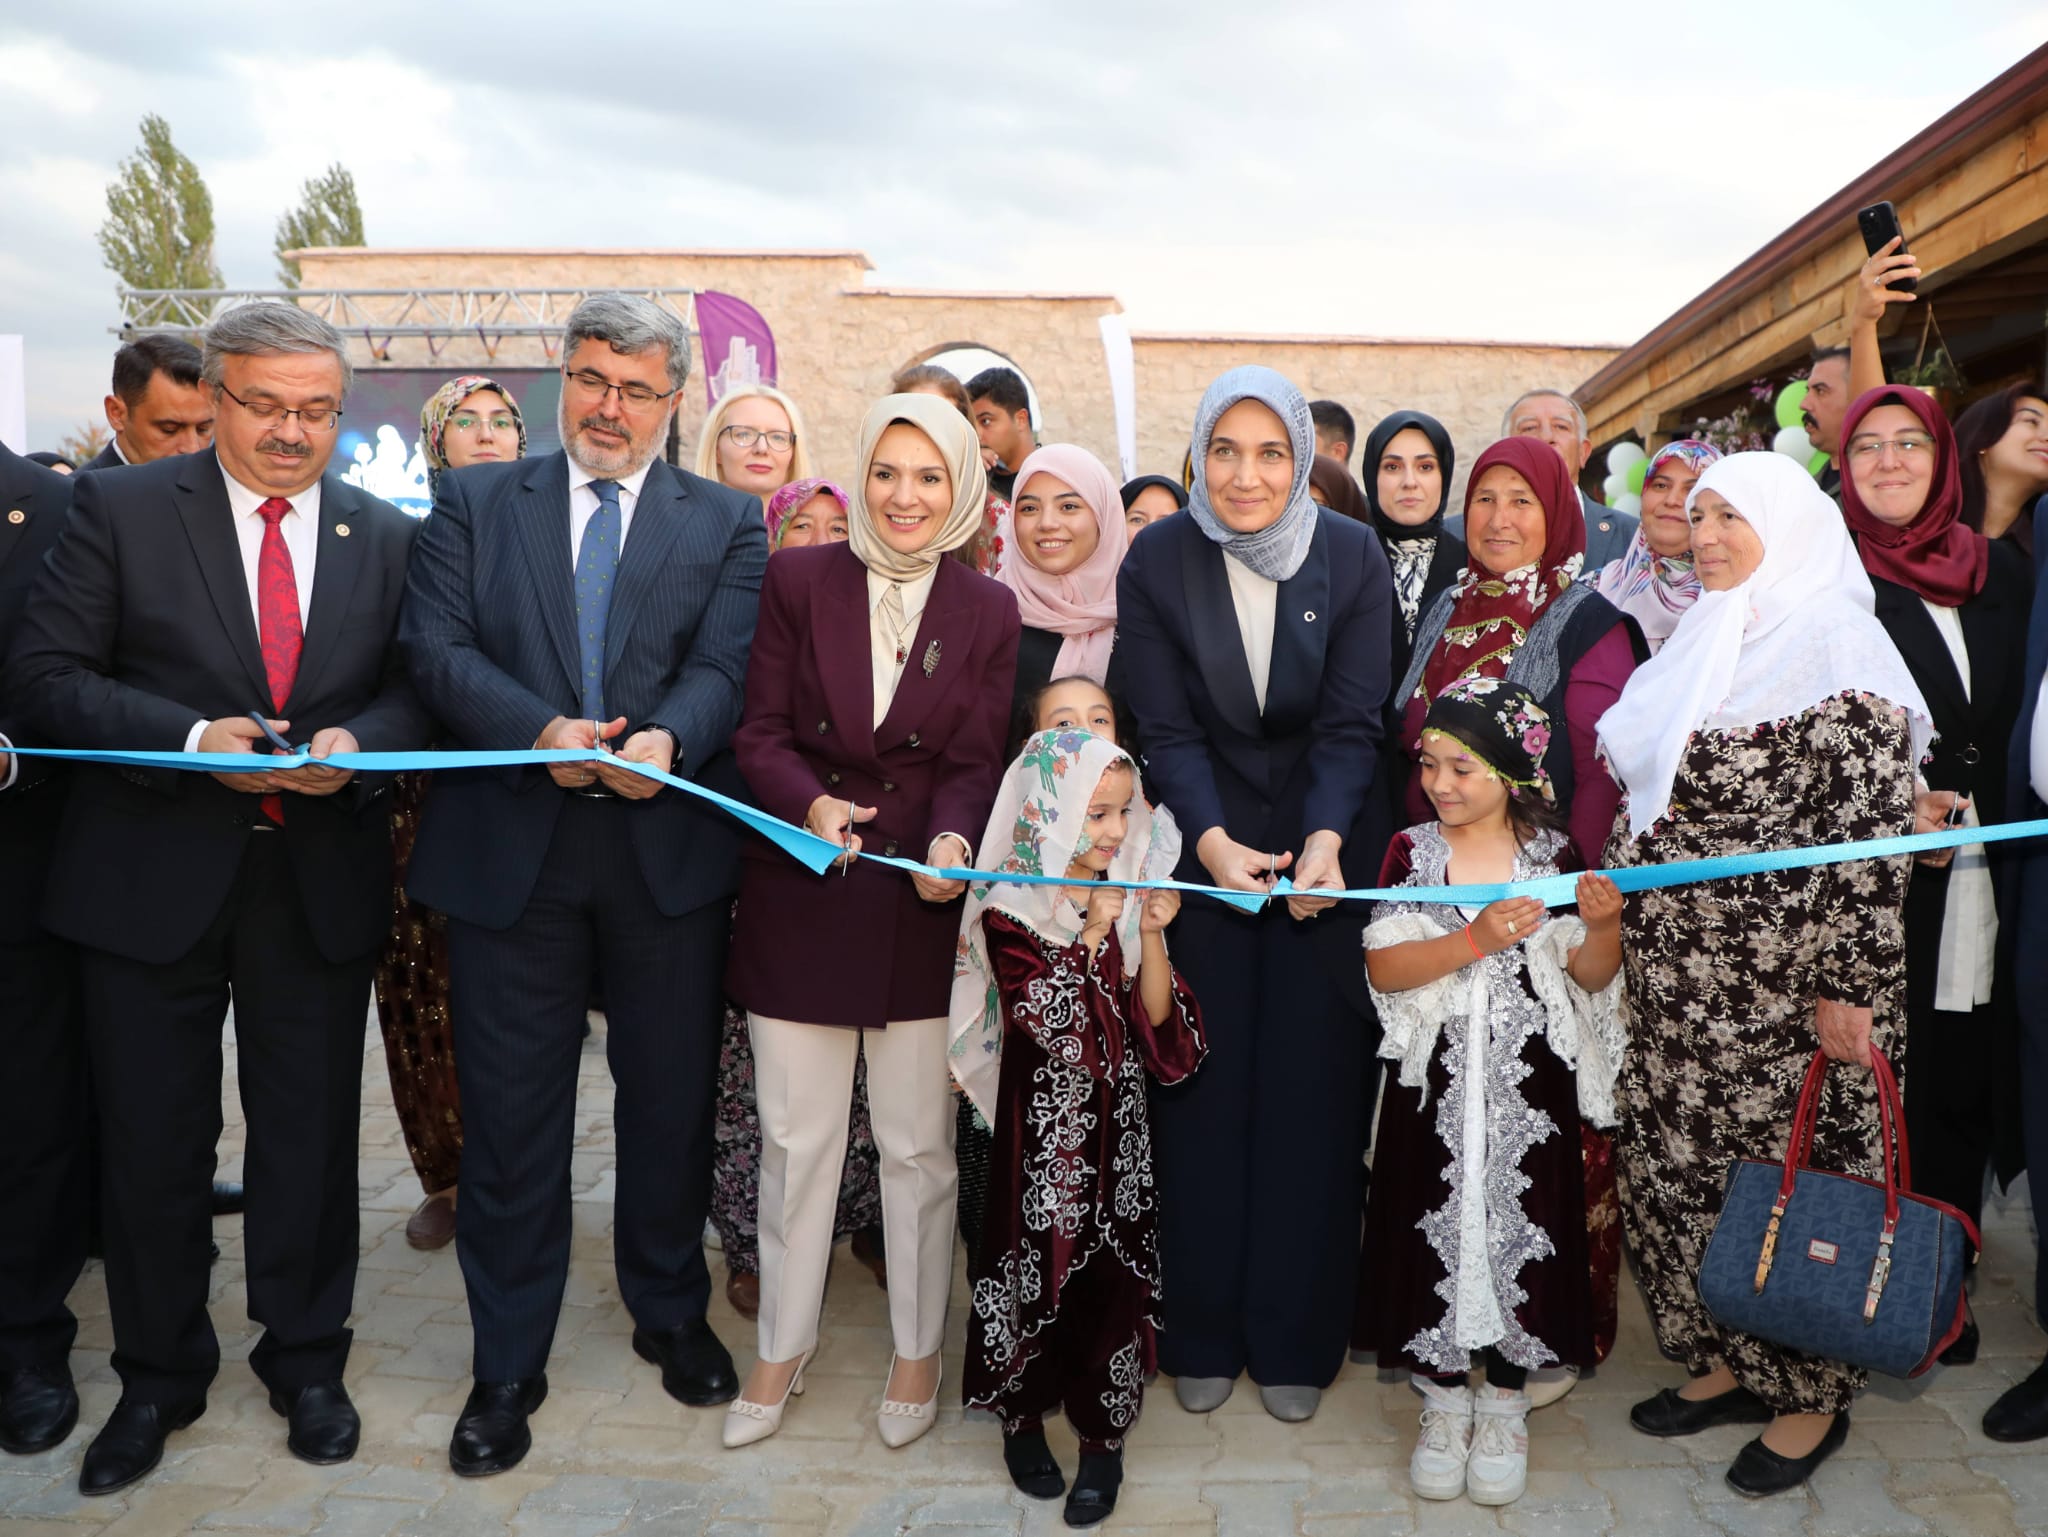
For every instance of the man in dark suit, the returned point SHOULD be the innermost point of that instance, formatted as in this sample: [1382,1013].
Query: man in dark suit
[1556,418]
[43,1160]
[158,406]
[183,596]
[592,595]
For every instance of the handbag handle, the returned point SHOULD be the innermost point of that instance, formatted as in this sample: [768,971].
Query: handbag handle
[1891,1122]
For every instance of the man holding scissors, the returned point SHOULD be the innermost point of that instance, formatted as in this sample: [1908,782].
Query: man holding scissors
[591,597]
[218,601]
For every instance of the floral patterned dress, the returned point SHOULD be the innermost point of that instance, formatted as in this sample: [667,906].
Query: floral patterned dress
[412,1009]
[1722,979]
[1066,1280]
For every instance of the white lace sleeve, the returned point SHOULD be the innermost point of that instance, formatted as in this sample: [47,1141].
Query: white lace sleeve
[1410,1021]
[1584,1029]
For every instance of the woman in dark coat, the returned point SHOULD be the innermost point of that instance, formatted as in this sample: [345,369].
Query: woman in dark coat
[1953,602]
[1253,635]
[877,697]
[1407,466]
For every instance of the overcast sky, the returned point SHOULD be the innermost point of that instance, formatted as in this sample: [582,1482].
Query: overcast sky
[1451,169]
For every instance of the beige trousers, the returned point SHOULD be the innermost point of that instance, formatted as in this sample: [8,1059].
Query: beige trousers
[803,1084]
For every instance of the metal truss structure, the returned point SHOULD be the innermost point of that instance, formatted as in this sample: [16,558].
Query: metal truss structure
[437,317]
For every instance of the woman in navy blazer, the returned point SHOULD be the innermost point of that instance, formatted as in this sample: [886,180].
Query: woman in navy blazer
[877,700]
[1253,635]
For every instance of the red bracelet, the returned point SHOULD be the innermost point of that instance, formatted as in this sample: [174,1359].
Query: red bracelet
[1477,953]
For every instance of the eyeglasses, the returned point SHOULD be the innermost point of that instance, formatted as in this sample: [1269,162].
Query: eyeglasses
[466,421]
[1911,445]
[637,396]
[747,437]
[312,418]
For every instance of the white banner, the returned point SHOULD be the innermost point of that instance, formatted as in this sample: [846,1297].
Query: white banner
[13,395]
[1123,390]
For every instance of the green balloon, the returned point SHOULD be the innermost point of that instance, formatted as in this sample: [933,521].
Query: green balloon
[1790,399]
[1817,463]
[1635,476]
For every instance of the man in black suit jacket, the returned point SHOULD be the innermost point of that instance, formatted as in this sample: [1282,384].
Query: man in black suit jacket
[183,596]
[43,1160]
[594,594]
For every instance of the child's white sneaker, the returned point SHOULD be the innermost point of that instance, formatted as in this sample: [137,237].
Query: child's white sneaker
[1497,1471]
[1437,1470]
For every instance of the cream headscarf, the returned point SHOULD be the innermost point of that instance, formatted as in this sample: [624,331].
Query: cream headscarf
[1803,628]
[960,451]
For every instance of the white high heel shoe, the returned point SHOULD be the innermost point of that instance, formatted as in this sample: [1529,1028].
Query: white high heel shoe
[901,1423]
[747,1422]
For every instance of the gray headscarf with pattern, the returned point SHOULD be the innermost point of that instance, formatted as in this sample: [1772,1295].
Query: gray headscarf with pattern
[1277,550]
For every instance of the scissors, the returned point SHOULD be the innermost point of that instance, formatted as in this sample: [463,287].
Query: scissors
[275,740]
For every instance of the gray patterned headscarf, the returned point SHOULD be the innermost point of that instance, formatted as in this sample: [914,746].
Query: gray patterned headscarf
[1277,550]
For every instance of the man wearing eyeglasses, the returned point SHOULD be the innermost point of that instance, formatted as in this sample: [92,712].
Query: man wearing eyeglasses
[216,601]
[591,597]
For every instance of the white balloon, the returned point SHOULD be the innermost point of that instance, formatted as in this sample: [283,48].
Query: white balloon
[1614,485]
[1628,502]
[1623,455]
[1793,443]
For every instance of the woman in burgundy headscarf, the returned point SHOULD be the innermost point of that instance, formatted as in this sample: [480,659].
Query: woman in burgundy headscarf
[1955,604]
[1519,612]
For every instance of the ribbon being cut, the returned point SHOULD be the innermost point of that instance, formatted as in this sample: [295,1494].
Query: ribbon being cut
[819,855]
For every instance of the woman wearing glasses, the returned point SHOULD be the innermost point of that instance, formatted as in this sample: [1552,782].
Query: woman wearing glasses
[753,440]
[468,420]
[1954,603]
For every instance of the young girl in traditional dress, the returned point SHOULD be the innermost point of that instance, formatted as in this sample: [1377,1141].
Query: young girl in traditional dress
[1505,1023]
[1063,1001]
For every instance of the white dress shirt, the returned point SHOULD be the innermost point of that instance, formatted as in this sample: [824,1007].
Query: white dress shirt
[1969,918]
[2037,744]
[301,530]
[583,503]
[1256,599]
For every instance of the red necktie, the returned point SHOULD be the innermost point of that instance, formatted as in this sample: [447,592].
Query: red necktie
[277,616]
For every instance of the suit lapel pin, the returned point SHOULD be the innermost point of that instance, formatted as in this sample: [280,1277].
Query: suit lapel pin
[16,515]
[341,530]
[931,659]
[1309,617]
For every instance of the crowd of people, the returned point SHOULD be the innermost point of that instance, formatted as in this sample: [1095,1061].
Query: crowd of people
[1157,1121]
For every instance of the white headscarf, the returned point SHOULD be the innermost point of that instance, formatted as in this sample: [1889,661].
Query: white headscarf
[959,450]
[1800,630]
[1040,815]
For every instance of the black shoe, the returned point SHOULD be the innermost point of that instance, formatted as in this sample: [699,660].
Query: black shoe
[2021,1413]
[695,1368]
[1758,1471]
[227,1198]
[1964,1350]
[490,1433]
[131,1443]
[325,1427]
[38,1409]
[1669,1414]
[1031,1465]
[1095,1484]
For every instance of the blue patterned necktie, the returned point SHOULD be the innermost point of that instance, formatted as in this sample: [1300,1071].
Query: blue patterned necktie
[597,562]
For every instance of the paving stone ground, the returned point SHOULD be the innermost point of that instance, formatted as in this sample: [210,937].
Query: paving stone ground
[613,1455]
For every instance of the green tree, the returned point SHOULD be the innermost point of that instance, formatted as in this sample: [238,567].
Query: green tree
[159,229]
[328,215]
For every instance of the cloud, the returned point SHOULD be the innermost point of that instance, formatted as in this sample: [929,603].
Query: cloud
[1482,170]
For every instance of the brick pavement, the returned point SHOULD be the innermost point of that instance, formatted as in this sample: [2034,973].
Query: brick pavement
[613,1455]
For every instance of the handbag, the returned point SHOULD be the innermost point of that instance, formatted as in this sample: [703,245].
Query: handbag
[1838,1267]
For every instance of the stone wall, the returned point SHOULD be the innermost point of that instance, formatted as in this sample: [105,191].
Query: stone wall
[839,339]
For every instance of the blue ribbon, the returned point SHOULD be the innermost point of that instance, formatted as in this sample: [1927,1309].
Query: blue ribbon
[818,854]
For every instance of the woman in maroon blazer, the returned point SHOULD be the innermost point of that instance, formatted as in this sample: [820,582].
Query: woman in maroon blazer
[877,699]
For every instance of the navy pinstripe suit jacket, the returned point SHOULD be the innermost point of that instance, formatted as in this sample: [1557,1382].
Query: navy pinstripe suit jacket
[489,631]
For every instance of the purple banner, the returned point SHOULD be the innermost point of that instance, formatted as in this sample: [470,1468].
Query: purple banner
[738,346]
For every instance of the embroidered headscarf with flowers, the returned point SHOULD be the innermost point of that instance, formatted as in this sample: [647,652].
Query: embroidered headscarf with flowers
[442,405]
[792,496]
[1036,828]
[1657,589]
[1492,614]
[1499,723]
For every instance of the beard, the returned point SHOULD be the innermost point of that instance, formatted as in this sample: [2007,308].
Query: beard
[605,460]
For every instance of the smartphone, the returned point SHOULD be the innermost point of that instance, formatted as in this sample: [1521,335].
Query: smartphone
[1880,223]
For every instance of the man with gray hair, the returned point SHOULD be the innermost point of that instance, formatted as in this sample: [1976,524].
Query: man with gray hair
[222,601]
[1555,417]
[594,596]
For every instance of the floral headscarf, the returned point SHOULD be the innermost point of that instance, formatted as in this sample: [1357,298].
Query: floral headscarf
[1654,589]
[442,404]
[1499,723]
[792,496]
[1039,820]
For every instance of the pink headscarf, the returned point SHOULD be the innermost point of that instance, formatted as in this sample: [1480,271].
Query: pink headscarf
[1082,604]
